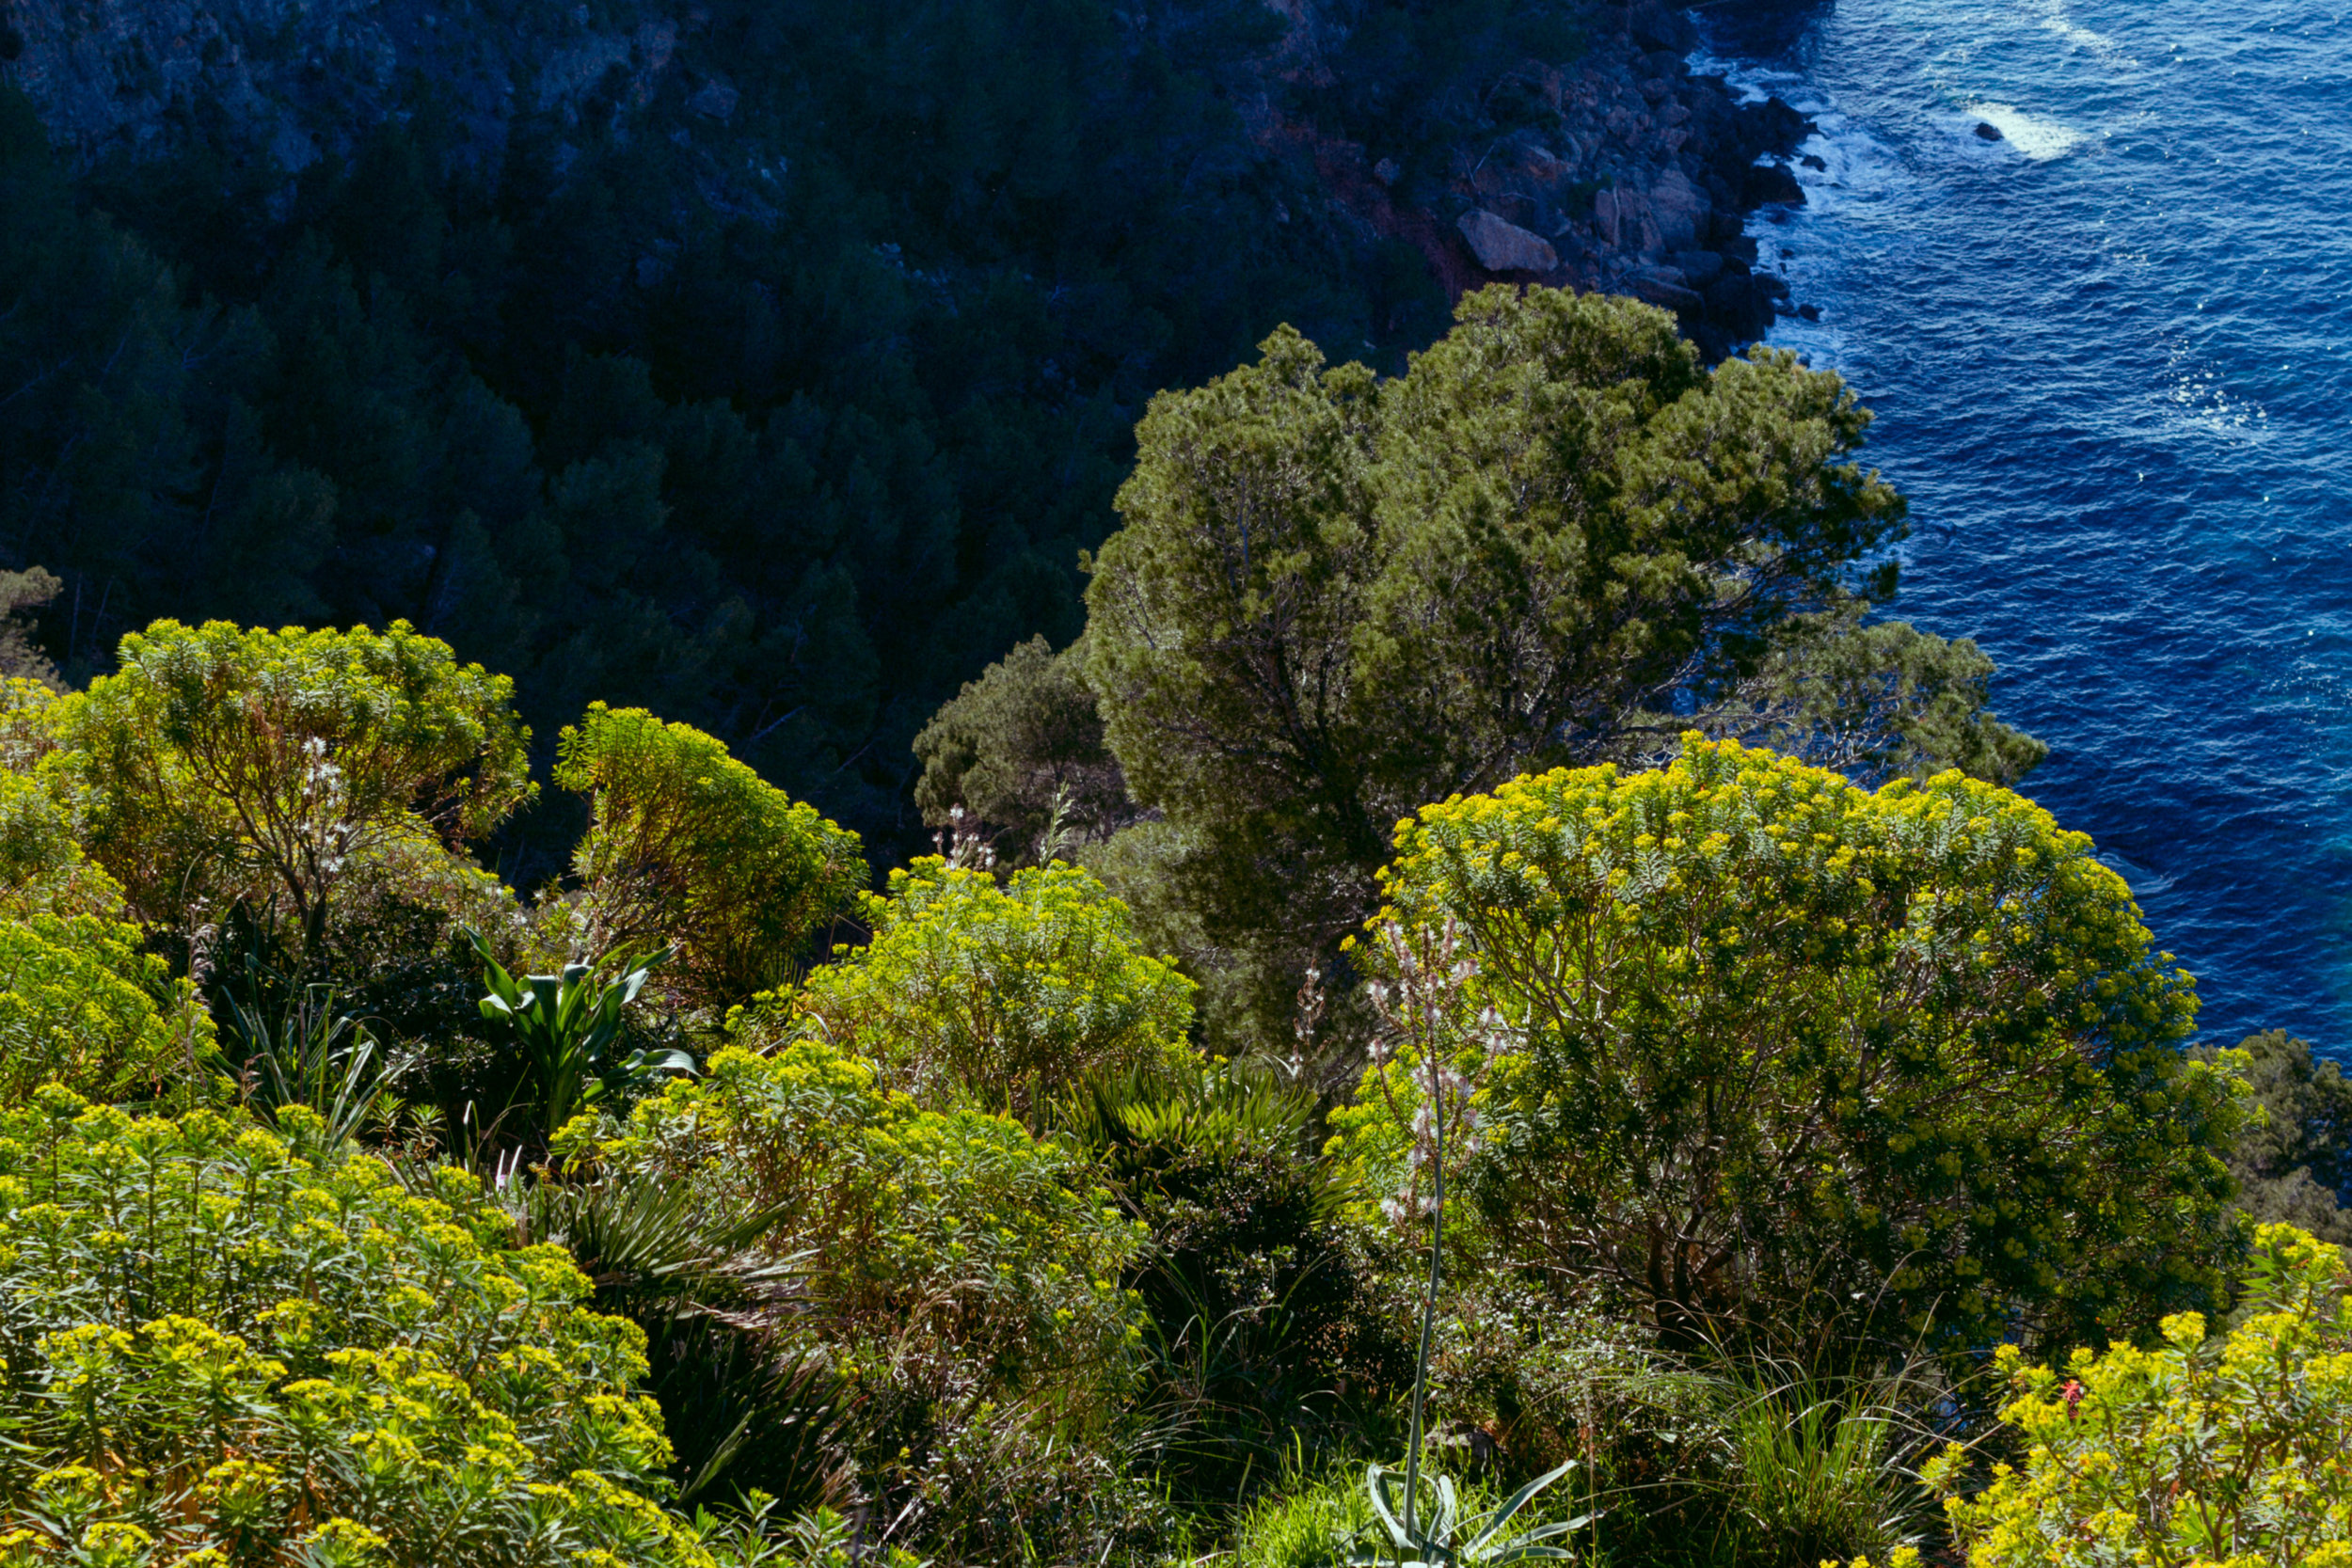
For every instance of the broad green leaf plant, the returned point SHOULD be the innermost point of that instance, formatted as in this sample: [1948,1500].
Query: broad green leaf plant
[1416,1535]
[569,1025]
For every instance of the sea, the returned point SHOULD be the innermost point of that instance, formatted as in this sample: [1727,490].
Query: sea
[2110,353]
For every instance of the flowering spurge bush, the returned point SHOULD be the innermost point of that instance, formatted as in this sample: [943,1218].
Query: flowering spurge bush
[688,846]
[80,1003]
[962,1277]
[2200,1452]
[42,868]
[1778,1052]
[223,1347]
[1009,995]
[219,765]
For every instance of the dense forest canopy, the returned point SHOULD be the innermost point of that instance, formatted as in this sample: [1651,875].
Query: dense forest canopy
[781,414]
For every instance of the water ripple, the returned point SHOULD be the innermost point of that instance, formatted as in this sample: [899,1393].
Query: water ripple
[2111,354]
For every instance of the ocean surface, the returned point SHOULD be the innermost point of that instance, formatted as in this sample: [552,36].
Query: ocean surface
[2111,359]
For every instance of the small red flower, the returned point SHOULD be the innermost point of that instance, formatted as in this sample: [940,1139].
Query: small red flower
[2073,1397]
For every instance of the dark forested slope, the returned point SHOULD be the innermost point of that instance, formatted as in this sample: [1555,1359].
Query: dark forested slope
[767,364]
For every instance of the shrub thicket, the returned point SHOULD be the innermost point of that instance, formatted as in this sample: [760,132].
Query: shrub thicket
[83,1007]
[1758,1050]
[221,1339]
[2197,1449]
[1008,995]
[687,844]
[221,766]
[965,1278]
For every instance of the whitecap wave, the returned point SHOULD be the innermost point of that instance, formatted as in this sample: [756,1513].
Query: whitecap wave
[2037,137]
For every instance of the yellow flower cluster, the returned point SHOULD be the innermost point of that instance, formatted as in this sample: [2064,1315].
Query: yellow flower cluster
[1911,1040]
[2228,1452]
[227,1345]
[1002,997]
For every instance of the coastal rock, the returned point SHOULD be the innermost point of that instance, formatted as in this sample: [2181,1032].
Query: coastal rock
[1987,130]
[1671,153]
[1666,286]
[1678,210]
[1771,185]
[1772,125]
[1501,245]
[1699,267]
[1656,25]
[1626,221]
[715,100]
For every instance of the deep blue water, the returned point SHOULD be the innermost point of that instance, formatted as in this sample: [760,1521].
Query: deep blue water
[2111,358]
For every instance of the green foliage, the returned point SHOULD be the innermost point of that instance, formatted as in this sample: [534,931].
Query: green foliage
[221,765]
[1815,1468]
[1260,1304]
[42,868]
[1298,1528]
[1007,996]
[963,1277]
[1427,1529]
[2197,1450]
[1771,1053]
[1315,1525]
[314,1054]
[81,1005]
[686,843]
[747,1406]
[1878,701]
[2292,1160]
[27,708]
[767,425]
[1336,598]
[568,1026]
[96,348]
[1020,751]
[21,594]
[217,1338]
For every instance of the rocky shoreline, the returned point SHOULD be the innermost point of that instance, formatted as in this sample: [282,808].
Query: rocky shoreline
[1641,184]
[1630,175]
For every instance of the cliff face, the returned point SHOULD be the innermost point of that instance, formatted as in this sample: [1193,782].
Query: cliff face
[1618,170]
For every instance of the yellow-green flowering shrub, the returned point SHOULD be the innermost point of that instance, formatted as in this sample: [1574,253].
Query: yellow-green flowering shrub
[27,708]
[688,844]
[220,1347]
[1772,1047]
[2200,1452]
[42,868]
[964,1276]
[1009,994]
[80,1003]
[220,764]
